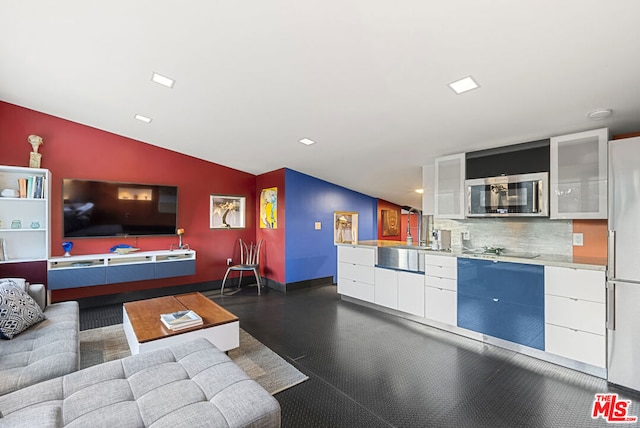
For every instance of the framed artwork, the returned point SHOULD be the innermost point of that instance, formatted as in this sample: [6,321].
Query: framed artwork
[345,227]
[269,208]
[227,212]
[390,222]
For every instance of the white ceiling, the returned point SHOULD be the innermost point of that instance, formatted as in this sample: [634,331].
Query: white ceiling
[366,79]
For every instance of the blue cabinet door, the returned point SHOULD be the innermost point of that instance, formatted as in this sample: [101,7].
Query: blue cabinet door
[502,299]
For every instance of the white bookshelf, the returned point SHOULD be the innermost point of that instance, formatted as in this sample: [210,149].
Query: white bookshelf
[30,241]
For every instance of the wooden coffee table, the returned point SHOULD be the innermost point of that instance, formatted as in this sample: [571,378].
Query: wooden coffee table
[145,331]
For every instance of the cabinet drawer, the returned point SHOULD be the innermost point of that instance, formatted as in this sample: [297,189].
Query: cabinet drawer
[509,321]
[78,277]
[132,272]
[170,269]
[518,283]
[360,256]
[575,314]
[357,272]
[577,345]
[445,261]
[441,305]
[578,283]
[441,271]
[446,283]
[356,289]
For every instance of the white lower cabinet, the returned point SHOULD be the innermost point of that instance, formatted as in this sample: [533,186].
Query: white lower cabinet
[356,289]
[575,314]
[441,305]
[575,344]
[441,289]
[356,272]
[400,290]
[386,288]
[411,293]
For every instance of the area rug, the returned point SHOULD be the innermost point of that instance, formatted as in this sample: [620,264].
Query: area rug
[104,344]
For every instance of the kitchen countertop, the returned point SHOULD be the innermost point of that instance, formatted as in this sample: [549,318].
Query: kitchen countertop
[591,263]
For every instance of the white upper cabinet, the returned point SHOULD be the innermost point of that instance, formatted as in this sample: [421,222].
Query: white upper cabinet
[449,186]
[578,176]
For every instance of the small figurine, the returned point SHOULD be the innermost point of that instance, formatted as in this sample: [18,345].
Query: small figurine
[35,157]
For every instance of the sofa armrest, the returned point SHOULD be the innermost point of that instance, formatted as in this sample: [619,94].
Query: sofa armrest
[38,293]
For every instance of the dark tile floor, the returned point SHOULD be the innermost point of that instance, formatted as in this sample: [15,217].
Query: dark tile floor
[370,369]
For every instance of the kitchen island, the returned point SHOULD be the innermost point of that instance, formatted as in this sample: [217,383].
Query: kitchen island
[546,306]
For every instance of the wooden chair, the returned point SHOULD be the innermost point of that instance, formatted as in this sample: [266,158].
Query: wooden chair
[249,261]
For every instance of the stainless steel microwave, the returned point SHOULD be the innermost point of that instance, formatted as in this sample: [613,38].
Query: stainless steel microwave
[524,195]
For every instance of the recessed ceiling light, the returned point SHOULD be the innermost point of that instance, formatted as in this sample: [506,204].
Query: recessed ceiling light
[163,80]
[307,142]
[599,114]
[421,191]
[463,85]
[142,118]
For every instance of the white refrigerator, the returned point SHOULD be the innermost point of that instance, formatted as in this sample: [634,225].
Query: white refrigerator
[623,274]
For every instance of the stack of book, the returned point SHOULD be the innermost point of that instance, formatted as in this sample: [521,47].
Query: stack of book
[32,187]
[180,320]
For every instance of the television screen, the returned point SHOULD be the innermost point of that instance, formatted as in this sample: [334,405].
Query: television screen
[104,209]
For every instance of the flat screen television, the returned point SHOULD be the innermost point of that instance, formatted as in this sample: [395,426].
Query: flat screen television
[108,209]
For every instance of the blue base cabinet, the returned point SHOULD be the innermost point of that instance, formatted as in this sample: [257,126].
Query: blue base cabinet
[502,299]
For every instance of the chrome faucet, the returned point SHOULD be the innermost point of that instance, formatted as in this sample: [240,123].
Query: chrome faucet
[409,237]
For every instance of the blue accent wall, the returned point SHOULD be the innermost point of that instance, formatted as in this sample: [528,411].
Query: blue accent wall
[311,253]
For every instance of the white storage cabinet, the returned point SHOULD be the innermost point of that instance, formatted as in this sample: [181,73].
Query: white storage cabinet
[575,314]
[441,288]
[356,272]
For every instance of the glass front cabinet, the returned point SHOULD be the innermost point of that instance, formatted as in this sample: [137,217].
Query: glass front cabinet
[578,176]
[449,186]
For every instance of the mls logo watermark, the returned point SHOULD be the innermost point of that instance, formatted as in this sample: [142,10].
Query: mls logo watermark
[611,409]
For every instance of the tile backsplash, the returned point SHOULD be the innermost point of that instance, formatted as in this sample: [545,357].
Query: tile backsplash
[531,235]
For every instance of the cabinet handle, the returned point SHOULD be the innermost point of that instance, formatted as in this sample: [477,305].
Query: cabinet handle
[573,298]
[496,300]
[611,250]
[611,305]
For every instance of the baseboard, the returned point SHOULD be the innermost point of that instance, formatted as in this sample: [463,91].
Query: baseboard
[292,286]
[112,299]
[298,285]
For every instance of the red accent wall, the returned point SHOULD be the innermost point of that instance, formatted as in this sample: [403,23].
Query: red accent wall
[72,150]
[385,205]
[273,255]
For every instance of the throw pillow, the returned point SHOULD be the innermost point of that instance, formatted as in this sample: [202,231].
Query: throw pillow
[18,311]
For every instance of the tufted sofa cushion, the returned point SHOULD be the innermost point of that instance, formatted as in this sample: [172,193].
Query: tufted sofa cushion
[47,350]
[191,384]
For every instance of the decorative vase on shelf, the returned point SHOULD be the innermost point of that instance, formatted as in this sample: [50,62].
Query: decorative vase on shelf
[67,246]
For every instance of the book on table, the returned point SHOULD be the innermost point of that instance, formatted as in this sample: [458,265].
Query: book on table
[181,319]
